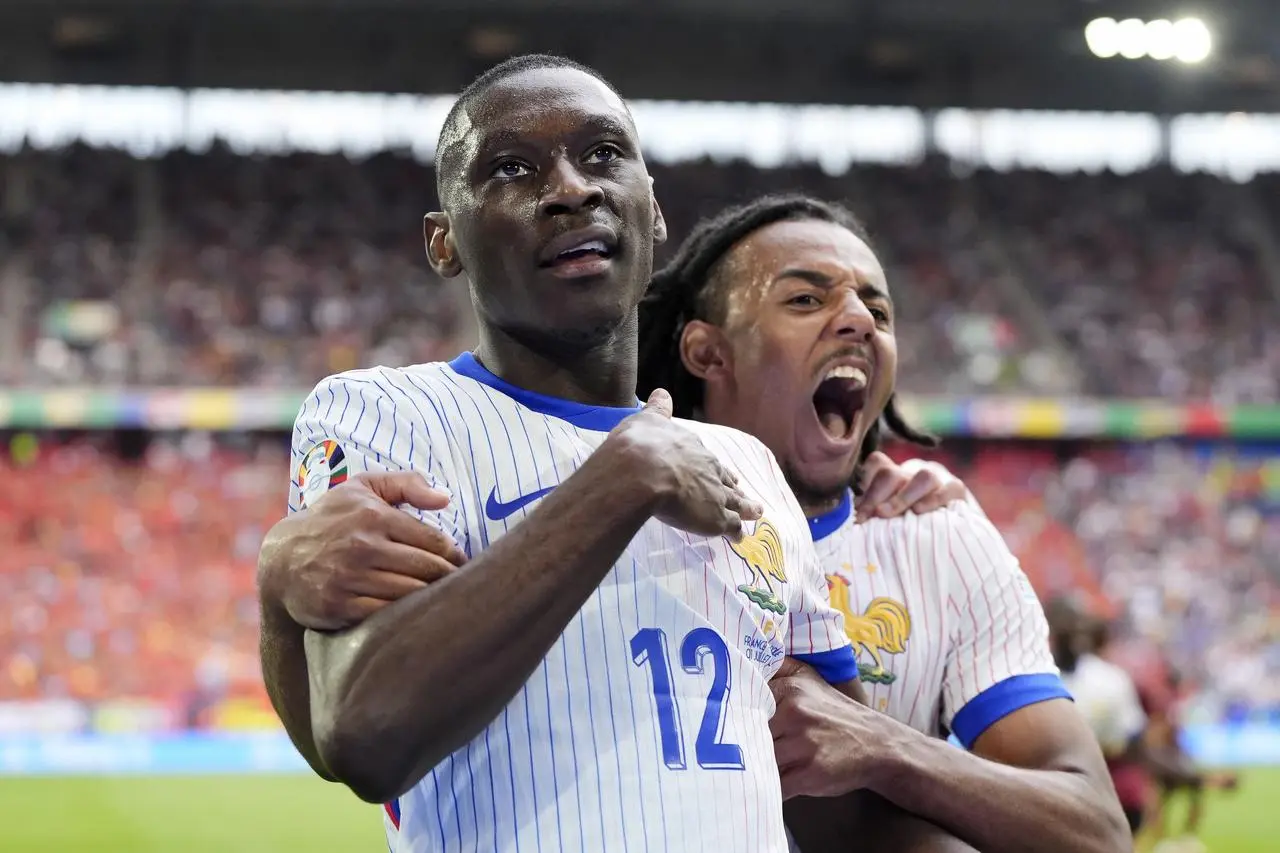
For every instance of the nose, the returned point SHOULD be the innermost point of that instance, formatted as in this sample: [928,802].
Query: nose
[568,190]
[852,321]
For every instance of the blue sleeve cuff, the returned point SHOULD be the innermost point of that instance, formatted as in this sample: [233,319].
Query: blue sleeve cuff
[836,666]
[1002,699]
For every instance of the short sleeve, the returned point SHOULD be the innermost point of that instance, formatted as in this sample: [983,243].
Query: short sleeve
[816,633]
[370,421]
[999,658]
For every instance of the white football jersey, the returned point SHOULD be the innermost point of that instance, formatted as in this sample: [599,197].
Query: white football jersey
[1109,700]
[949,633]
[645,728]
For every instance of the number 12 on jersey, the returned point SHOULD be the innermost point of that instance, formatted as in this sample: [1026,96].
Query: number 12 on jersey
[649,646]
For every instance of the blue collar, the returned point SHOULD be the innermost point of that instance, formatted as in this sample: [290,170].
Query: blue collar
[596,418]
[822,526]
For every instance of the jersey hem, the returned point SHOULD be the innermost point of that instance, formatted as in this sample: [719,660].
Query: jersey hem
[835,666]
[1002,699]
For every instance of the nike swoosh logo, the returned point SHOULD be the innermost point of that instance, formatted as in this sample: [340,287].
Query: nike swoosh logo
[496,510]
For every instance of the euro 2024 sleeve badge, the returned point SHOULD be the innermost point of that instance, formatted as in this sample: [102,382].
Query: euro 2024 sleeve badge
[323,467]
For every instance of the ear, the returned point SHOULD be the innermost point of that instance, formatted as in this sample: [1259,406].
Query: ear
[442,253]
[705,351]
[659,223]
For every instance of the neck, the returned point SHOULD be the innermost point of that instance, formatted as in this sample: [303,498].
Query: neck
[815,506]
[813,502]
[598,373]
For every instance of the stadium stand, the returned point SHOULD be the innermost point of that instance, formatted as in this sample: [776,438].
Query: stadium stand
[227,270]
[278,270]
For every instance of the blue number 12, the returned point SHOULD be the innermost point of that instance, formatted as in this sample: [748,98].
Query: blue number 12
[649,646]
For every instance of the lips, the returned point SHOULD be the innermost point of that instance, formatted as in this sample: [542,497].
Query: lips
[593,243]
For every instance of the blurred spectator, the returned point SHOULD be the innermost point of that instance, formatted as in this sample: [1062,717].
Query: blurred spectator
[219,269]
[135,579]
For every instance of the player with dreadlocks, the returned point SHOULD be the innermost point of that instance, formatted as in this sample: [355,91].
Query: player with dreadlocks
[775,317]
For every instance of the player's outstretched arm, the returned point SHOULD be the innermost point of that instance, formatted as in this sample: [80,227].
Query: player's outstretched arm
[1035,779]
[395,695]
[1037,783]
[332,566]
[864,822]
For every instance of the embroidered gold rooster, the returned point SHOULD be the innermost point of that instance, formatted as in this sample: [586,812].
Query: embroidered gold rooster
[762,552]
[884,627]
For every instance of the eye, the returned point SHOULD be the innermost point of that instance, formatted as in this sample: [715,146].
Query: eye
[881,315]
[805,300]
[605,153]
[510,169]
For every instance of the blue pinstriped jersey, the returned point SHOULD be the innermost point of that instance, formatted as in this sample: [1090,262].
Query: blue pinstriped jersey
[645,728]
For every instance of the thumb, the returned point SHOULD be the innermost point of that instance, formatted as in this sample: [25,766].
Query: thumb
[660,402]
[404,487]
[790,667]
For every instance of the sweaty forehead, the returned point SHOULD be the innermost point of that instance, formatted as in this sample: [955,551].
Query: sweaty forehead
[811,244]
[540,105]
[760,260]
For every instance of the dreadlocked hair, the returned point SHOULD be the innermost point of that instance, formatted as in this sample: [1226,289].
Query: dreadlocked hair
[681,291]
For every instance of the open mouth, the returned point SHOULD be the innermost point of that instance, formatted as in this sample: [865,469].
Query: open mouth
[840,397]
[587,250]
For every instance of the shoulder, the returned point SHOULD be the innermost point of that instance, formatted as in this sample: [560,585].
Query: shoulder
[415,379]
[392,387]
[739,450]
[966,541]
[723,438]
[954,529]
[743,453]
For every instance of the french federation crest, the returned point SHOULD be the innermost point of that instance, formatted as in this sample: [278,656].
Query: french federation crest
[323,467]
[883,628]
[762,552]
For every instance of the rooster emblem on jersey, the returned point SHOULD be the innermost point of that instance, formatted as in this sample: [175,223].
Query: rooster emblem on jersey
[762,552]
[884,627]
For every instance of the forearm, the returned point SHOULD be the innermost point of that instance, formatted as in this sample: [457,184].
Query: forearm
[284,670]
[998,808]
[394,696]
[863,822]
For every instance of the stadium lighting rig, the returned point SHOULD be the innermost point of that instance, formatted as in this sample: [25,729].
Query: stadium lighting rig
[1187,40]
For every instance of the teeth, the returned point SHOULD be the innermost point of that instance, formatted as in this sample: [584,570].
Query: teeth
[589,246]
[845,371]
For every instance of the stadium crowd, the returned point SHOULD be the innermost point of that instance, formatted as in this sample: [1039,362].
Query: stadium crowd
[225,269]
[220,269]
[142,586]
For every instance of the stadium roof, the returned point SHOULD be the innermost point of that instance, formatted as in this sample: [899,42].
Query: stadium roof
[976,53]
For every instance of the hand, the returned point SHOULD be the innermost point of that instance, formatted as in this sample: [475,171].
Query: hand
[693,491]
[352,552]
[826,743]
[890,489]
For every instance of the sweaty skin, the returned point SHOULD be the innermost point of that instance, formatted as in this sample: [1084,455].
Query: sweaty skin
[378,716]
[393,695]
[815,295]
[799,294]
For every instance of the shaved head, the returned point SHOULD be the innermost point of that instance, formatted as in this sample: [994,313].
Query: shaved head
[458,123]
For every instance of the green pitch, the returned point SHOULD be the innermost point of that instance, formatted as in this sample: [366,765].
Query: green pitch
[286,814]
[176,814]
